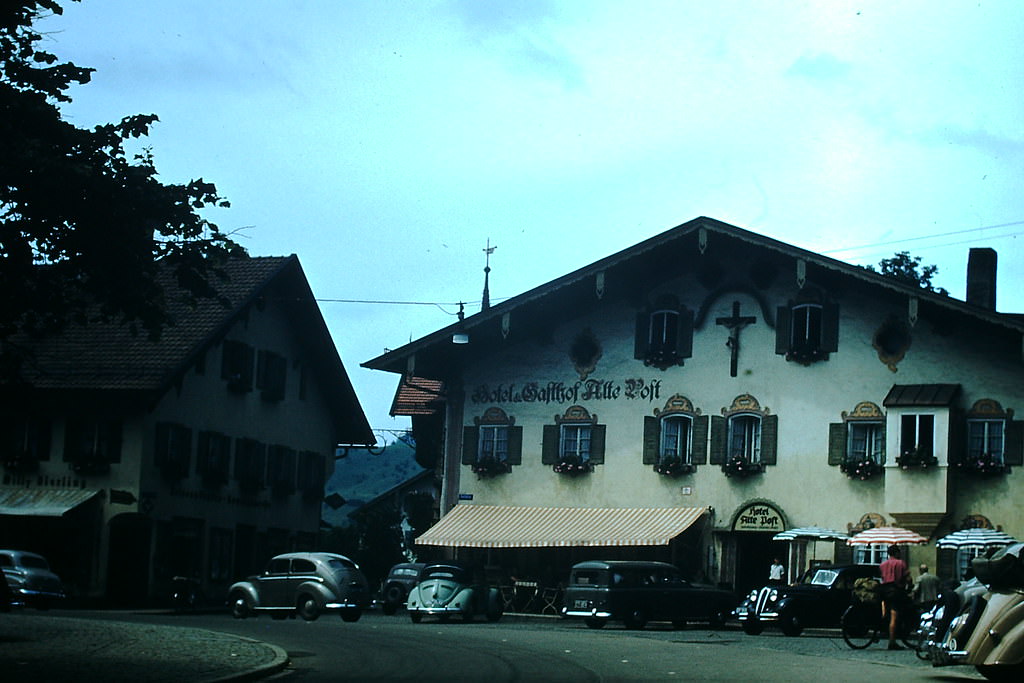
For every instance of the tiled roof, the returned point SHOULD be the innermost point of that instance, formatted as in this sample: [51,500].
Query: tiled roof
[108,356]
[921,395]
[418,396]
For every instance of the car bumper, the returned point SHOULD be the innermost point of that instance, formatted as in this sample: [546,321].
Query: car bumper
[344,605]
[433,611]
[767,617]
[594,613]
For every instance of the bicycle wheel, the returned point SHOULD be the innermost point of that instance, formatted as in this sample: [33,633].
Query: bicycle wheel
[859,626]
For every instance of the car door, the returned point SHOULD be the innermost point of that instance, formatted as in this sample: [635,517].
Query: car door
[301,570]
[274,584]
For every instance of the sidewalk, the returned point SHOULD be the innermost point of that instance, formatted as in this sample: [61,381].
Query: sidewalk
[36,646]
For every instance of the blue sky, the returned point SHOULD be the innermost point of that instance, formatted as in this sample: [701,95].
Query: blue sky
[386,142]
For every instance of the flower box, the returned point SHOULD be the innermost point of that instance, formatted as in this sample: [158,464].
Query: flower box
[983,465]
[490,467]
[741,467]
[674,467]
[916,459]
[863,469]
[573,466]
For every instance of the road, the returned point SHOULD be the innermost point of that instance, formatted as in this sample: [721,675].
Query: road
[381,648]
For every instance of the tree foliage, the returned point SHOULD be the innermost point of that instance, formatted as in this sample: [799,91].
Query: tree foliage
[907,269]
[85,229]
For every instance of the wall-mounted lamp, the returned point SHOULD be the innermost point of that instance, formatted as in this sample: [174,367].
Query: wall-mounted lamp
[460,338]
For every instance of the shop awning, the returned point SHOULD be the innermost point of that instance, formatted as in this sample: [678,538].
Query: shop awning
[42,502]
[496,526]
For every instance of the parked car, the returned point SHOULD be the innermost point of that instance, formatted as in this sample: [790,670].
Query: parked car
[30,580]
[400,580]
[307,584]
[819,599]
[638,592]
[447,589]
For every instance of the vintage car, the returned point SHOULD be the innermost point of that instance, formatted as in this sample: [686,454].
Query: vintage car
[447,589]
[638,592]
[29,579]
[819,599]
[306,584]
[400,580]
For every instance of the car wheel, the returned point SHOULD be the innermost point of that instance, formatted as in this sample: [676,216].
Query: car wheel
[790,627]
[240,607]
[416,617]
[636,620]
[307,608]
[494,607]
[394,594]
[594,622]
[351,615]
[753,628]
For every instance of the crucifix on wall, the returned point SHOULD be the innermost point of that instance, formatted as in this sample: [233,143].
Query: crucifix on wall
[734,324]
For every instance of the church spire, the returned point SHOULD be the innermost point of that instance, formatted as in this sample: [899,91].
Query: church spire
[485,303]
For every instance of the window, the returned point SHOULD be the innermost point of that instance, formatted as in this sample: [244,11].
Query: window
[964,557]
[236,365]
[213,458]
[993,443]
[91,445]
[867,442]
[575,443]
[807,329]
[744,440]
[250,464]
[675,438]
[281,470]
[985,440]
[917,435]
[271,374]
[24,441]
[173,449]
[220,554]
[876,553]
[493,444]
[310,474]
[857,444]
[664,333]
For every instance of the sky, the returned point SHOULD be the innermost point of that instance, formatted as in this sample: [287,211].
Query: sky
[387,143]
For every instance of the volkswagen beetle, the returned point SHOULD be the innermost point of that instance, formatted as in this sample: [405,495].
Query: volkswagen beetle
[306,584]
[447,589]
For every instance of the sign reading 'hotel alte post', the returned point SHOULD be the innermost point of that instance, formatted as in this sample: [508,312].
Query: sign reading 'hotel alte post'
[560,392]
[759,517]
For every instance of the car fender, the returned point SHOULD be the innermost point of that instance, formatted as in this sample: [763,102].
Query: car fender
[1008,647]
[317,589]
[248,590]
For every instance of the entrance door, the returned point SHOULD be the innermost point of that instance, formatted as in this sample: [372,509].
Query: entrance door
[128,559]
[754,554]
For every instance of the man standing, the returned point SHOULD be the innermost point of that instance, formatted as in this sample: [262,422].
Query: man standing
[926,589]
[776,573]
[895,581]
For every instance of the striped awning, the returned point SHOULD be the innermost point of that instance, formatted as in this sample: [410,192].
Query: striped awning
[498,526]
[42,502]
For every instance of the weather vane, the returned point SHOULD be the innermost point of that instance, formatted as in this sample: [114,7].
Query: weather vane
[485,303]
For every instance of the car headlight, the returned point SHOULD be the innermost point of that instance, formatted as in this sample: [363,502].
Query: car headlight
[753,596]
[773,595]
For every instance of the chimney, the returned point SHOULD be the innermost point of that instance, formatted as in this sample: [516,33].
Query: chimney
[981,278]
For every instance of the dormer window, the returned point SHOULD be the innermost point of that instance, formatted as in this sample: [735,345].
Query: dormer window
[807,328]
[664,333]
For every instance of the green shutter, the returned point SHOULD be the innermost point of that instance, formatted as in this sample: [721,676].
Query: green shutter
[836,443]
[1013,450]
[597,444]
[549,447]
[830,328]
[719,434]
[769,439]
[652,439]
[470,440]
[515,445]
[684,333]
[642,338]
[699,447]
[783,331]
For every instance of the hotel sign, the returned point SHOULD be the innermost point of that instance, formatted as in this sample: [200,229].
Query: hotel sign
[559,392]
[759,517]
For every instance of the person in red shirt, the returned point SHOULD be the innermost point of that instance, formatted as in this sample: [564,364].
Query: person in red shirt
[895,581]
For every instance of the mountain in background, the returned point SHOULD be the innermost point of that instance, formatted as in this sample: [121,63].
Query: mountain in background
[360,477]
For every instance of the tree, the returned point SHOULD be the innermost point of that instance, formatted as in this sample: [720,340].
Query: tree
[904,267]
[86,231]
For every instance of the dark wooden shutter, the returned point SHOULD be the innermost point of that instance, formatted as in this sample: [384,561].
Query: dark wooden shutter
[769,439]
[652,439]
[684,333]
[957,441]
[699,447]
[515,445]
[163,437]
[1013,449]
[597,433]
[836,443]
[830,328]
[470,441]
[783,329]
[641,342]
[719,435]
[549,447]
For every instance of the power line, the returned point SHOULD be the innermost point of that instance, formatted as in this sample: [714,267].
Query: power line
[928,237]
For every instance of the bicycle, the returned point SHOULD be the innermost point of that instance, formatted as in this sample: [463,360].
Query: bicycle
[866,622]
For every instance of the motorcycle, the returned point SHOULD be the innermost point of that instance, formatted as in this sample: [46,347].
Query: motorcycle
[184,593]
[988,631]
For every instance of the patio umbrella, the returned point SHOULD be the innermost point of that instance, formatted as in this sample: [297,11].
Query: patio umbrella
[975,538]
[886,535]
[810,533]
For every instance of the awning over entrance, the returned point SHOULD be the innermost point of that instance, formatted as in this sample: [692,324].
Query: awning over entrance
[42,502]
[495,526]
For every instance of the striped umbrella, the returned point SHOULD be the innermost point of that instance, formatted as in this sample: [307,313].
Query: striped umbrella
[886,535]
[975,538]
[811,533]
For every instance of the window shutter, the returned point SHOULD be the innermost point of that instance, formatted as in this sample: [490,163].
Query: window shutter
[549,447]
[769,439]
[836,443]
[470,439]
[163,433]
[1013,449]
[699,447]
[783,329]
[684,333]
[597,444]
[719,435]
[957,443]
[515,445]
[203,463]
[652,439]
[642,339]
[830,328]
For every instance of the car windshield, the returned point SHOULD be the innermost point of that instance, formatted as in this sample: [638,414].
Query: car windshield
[33,562]
[822,577]
[450,573]
[337,564]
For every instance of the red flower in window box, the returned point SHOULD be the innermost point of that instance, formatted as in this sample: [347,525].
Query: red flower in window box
[862,469]
[490,467]
[984,464]
[573,465]
[738,466]
[674,467]
[916,458]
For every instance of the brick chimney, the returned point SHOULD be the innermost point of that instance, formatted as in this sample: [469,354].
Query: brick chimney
[981,277]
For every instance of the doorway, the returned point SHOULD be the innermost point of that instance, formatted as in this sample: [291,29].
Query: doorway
[754,554]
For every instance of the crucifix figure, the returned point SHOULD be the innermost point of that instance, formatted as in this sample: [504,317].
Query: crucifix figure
[735,323]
